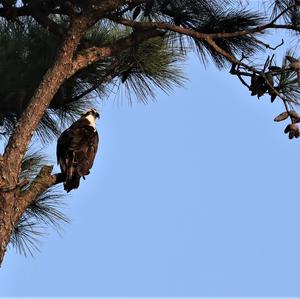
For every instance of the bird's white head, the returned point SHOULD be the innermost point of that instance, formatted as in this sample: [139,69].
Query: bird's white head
[91,116]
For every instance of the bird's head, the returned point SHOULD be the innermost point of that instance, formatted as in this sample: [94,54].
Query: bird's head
[93,112]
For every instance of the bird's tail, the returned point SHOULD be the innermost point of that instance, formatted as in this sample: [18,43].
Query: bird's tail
[70,185]
[72,179]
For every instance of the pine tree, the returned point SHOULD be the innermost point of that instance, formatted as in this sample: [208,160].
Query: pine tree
[57,57]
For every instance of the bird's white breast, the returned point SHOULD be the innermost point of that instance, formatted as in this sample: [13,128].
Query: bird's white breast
[92,121]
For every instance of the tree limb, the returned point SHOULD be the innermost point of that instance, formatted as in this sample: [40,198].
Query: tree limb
[201,35]
[50,25]
[94,54]
[43,181]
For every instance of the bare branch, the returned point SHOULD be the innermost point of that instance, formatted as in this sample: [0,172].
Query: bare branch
[267,46]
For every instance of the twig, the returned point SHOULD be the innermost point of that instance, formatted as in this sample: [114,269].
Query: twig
[267,45]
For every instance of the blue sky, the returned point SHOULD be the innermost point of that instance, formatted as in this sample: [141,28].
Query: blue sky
[192,195]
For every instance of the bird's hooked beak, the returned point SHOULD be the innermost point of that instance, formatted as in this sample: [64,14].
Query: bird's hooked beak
[97,115]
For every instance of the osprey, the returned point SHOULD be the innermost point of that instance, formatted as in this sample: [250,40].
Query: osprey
[76,149]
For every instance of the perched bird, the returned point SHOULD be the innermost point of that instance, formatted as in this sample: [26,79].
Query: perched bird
[76,149]
[295,66]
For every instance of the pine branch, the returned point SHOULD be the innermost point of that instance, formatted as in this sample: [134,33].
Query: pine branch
[94,54]
[42,212]
[43,181]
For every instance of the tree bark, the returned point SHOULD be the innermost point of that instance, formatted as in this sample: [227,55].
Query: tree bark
[6,220]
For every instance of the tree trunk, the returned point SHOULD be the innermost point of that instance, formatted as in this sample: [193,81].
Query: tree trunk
[7,207]
[11,161]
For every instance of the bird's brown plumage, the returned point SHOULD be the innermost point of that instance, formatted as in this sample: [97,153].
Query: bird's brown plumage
[76,150]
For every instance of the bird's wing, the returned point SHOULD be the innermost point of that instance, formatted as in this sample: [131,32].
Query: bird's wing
[67,142]
[77,138]
[92,149]
[62,147]
[86,155]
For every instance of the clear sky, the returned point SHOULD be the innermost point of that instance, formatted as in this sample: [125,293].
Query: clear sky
[194,195]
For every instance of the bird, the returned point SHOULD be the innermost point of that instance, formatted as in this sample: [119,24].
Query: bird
[76,149]
[295,66]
